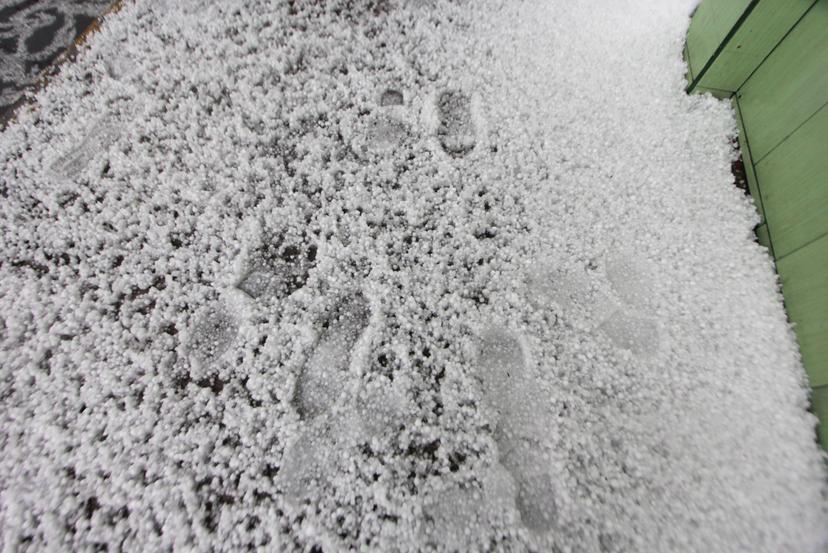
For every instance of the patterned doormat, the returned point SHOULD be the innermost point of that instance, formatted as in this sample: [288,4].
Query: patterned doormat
[33,33]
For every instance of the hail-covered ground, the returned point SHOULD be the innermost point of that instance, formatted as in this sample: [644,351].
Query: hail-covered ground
[392,276]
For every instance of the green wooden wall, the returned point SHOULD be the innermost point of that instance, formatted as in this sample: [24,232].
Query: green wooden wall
[771,58]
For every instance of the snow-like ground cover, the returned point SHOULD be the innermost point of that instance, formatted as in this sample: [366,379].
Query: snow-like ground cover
[392,276]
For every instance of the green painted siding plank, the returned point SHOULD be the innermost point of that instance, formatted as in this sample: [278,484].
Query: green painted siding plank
[711,23]
[747,160]
[790,86]
[794,183]
[758,35]
[819,404]
[804,276]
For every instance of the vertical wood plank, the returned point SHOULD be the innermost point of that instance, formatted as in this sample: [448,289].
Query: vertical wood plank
[747,160]
[790,86]
[712,22]
[794,184]
[755,38]
[819,404]
[804,276]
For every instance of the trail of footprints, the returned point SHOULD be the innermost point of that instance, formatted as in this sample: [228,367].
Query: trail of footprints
[523,477]
[455,132]
[279,267]
[521,481]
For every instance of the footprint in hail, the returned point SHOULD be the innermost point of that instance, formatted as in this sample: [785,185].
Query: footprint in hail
[521,425]
[632,278]
[456,131]
[311,463]
[385,132]
[572,292]
[616,311]
[278,268]
[391,97]
[100,137]
[212,334]
[323,378]
[628,330]
[455,516]
[381,406]
[320,452]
